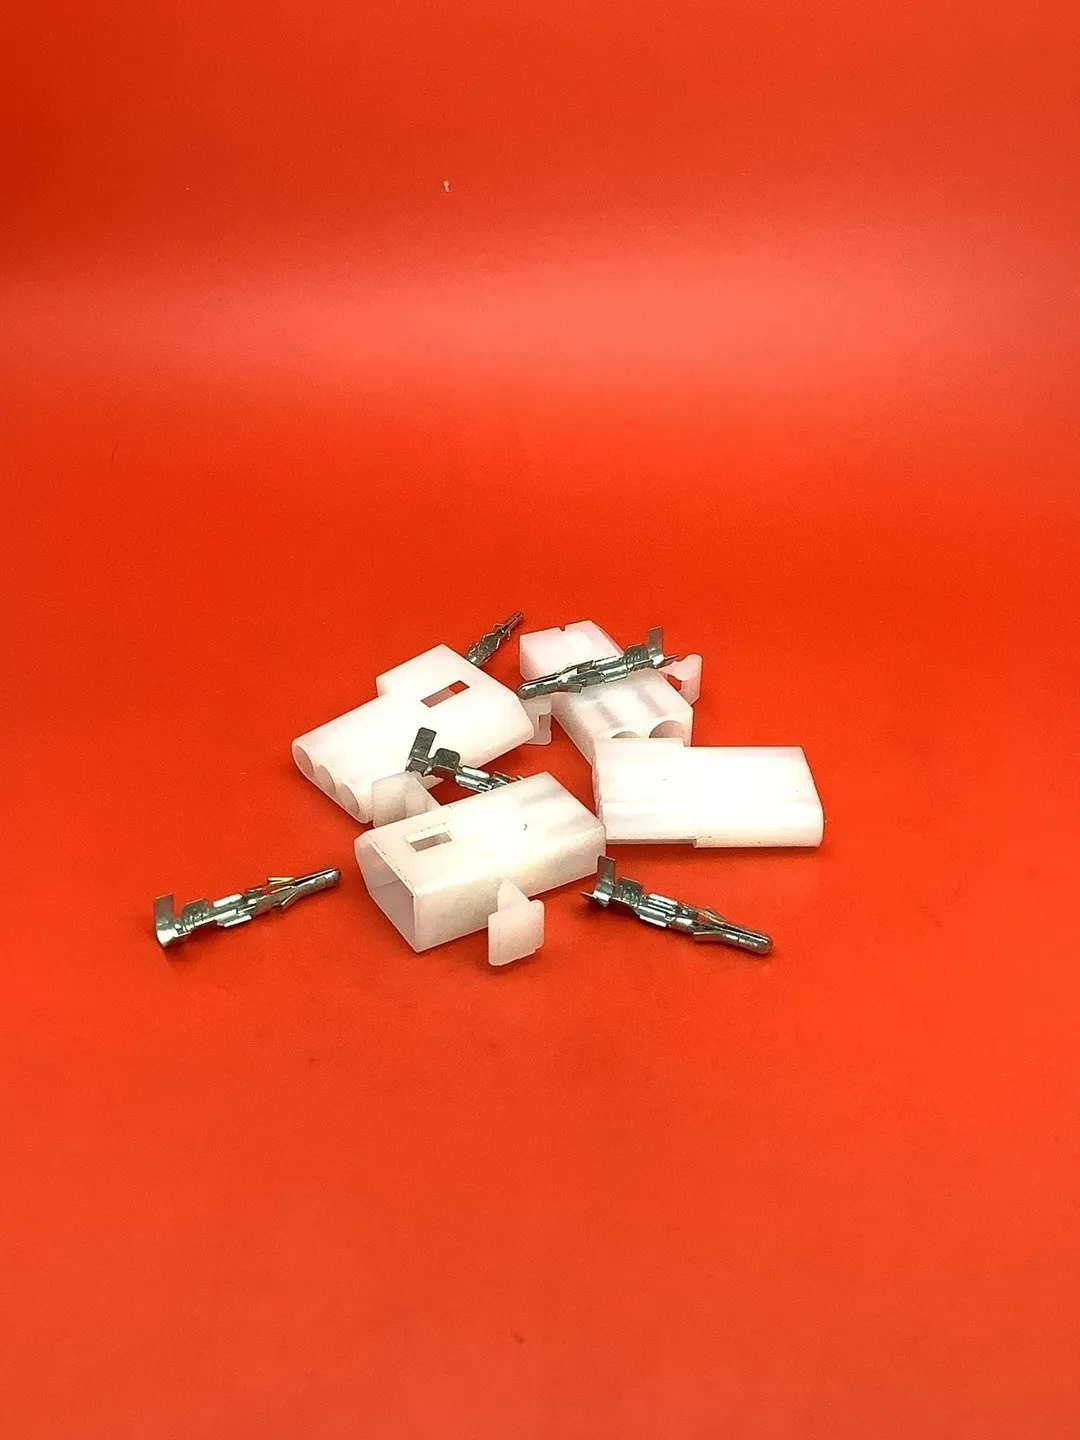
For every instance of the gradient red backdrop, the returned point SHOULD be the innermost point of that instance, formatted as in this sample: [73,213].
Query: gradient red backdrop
[328,334]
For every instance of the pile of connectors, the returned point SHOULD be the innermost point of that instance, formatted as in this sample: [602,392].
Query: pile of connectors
[441,871]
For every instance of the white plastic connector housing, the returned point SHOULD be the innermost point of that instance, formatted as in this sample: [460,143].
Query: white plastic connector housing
[442,873]
[470,712]
[644,704]
[662,790]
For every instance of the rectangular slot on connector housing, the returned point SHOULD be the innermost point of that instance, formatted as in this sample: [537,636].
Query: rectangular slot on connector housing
[447,693]
[425,842]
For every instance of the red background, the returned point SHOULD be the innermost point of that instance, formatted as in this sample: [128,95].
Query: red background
[757,321]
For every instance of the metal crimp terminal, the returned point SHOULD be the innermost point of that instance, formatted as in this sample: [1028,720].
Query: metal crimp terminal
[575,678]
[279,892]
[447,765]
[485,647]
[700,923]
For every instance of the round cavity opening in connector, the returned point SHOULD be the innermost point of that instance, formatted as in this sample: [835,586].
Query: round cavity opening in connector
[348,801]
[668,730]
[325,781]
[303,762]
[625,735]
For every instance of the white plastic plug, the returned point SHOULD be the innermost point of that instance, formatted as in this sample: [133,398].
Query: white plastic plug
[473,714]
[443,872]
[662,790]
[643,704]
[517,927]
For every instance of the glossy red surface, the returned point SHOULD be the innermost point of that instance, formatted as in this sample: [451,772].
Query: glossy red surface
[330,334]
